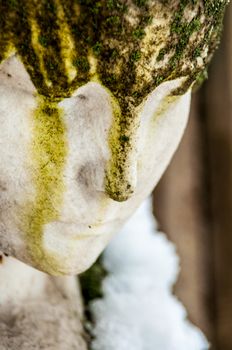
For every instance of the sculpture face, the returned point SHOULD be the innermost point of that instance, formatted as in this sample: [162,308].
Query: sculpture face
[89,120]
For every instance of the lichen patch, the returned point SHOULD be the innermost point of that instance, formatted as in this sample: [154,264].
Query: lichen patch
[48,151]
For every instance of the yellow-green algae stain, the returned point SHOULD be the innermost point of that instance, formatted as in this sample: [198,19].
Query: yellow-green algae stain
[48,154]
[119,182]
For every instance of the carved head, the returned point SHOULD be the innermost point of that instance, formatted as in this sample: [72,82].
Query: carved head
[94,98]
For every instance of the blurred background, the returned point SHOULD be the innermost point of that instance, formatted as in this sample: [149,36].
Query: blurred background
[193,202]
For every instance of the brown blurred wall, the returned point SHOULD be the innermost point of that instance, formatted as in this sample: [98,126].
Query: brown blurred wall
[193,202]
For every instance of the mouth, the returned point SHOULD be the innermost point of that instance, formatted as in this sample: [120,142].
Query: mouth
[69,249]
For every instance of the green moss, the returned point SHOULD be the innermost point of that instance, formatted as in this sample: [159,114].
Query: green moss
[91,282]
[138,33]
[97,48]
[182,31]
[99,25]
[140,3]
[82,64]
[201,77]
[118,183]
[91,288]
[135,56]
[43,41]
[48,154]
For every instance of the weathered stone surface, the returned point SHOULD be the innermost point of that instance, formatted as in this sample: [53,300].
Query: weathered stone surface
[38,311]
[94,98]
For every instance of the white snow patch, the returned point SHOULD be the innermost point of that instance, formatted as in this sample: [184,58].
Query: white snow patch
[138,311]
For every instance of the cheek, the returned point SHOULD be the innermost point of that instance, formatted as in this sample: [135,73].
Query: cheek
[161,129]
[15,181]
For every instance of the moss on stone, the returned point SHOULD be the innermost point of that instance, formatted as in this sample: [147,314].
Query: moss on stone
[91,289]
[91,282]
[99,25]
[48,154]
[118,183]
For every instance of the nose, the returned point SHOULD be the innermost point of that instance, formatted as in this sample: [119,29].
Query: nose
[104,140]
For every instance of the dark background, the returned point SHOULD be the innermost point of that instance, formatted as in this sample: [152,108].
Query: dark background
[193,202]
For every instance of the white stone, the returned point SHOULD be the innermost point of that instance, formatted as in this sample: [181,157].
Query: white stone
[88,217]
